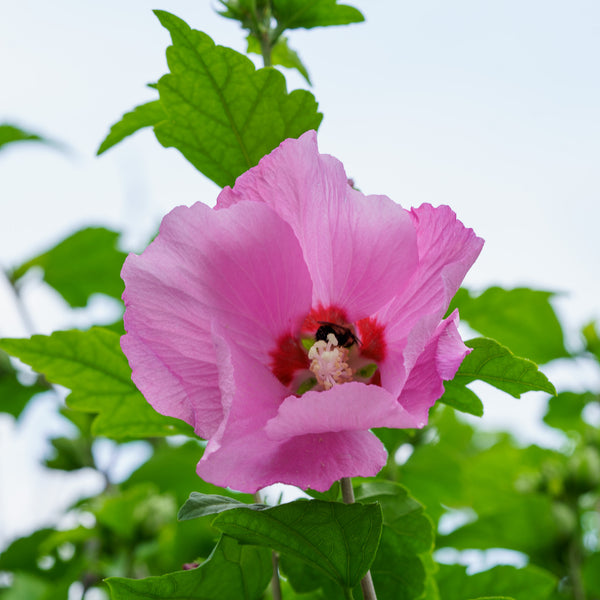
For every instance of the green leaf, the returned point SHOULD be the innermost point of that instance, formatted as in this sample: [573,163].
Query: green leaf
[91,364]
[83,264]
[71,454]
[30,587]
[172,470]
[304,579]
[522,319]
[591,574]
[136,512]
[401,513]
[291,14]
[398,571]
[340,540]
[444,462]
[144,115]
[529,583]
[14,396]
[201,505]
[462,398]
[281,54]
[223,114]
[497,365]
[525,524]
[592,339]
[10,134]
[231,572]
[22,554]
[565,409]
[331,495]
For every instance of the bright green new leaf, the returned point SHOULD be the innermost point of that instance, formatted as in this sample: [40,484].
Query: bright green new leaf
[522,319]
[497,365]
[91,364]
[10,134]
[529,583]
[462,398]
[201,505]
[85,263]
[281,54]
[291,14]
[223,114]
[231,572]
[145,115]
[340,540]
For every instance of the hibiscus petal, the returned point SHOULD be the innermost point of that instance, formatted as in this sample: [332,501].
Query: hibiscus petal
[241,455]
[192,395]
[242,267]
[447,249]
[360,250]
[250,393]
[316,461]
[351,406]
[438,362]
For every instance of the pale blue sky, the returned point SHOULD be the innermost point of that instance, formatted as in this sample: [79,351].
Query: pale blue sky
[490,106]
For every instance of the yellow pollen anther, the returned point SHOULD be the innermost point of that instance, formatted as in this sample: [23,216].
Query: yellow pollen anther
[329,362]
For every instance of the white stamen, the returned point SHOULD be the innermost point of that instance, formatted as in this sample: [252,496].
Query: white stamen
[329,362]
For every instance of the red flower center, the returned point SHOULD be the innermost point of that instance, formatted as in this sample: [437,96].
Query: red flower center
[289,359]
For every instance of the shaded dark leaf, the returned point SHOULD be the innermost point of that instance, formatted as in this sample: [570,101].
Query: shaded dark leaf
[340,540]
[231,572]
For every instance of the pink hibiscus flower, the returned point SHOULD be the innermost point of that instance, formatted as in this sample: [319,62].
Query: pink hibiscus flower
[294,317]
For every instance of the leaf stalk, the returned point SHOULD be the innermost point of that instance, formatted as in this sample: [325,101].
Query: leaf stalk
[366,584]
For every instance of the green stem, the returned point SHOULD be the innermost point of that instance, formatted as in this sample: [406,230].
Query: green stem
[263,32]
[265,48]
[366,584]
[20,305]
[275,582]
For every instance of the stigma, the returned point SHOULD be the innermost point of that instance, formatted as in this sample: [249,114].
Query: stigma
[329,362]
